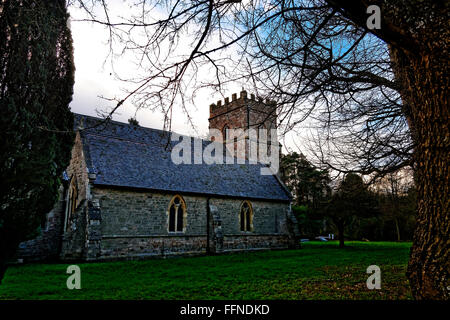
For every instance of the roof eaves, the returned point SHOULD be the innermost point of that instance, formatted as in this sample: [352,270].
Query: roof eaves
[174,191]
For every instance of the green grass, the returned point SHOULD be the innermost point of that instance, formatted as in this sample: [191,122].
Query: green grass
[320,270]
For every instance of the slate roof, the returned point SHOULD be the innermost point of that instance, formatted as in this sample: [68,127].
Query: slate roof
[125,155]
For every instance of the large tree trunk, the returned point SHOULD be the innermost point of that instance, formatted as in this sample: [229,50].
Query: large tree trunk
[418,35]
[424,78]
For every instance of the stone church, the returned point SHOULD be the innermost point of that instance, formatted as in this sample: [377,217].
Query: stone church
[124,198]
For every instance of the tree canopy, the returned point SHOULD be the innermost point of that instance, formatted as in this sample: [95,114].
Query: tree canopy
[351,199]
[306,55]
[308,184]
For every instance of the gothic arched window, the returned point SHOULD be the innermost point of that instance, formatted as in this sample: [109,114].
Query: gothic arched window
[225,132]
[71,202]
[177,214]
[246,216]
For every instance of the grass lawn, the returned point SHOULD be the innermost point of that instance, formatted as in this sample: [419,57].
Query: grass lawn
[320,270]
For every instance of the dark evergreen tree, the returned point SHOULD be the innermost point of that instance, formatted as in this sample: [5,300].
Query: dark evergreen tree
[352,199]
[310,188]
[36,86]
[308,183]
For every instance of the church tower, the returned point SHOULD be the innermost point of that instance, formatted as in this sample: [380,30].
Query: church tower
[242,113]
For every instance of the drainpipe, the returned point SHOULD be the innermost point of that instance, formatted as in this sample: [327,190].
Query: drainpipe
[208,251]
[248,117]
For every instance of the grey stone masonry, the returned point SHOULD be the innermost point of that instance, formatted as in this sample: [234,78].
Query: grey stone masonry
[47,244]
[134,224]
[120,187]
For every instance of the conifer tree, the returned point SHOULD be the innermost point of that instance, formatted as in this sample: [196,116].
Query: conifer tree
[36,86]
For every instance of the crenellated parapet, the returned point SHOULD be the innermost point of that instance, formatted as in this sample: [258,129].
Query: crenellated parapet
[234,101]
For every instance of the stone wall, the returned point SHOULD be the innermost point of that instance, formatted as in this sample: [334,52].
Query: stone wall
[47,244]
[255,242]
[243,113]
[77,170]
[74,237]
[57,237]
[111,223]
[134,224]
[143,213]
[132,247]
[74,233]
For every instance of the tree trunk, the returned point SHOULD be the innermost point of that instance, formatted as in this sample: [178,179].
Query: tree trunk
[397,229]
[340,227]
[424,78]
[3,268]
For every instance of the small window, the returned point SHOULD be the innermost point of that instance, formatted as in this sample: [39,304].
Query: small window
[246,216]
[177,214]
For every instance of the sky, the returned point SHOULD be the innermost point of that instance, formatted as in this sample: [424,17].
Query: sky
[94,78]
